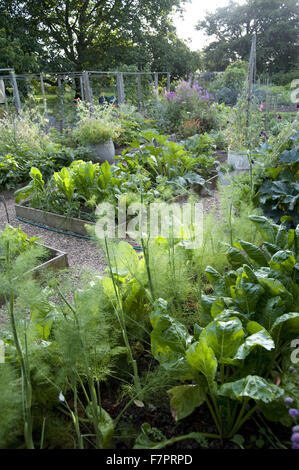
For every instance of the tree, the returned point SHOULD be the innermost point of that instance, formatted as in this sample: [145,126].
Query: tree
[171,54]
[82,34]
[275,23]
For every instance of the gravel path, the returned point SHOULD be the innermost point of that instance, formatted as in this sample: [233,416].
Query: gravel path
[82,253]
[85,257]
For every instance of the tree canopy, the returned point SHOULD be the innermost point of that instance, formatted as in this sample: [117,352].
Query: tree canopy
[86,34]
[275,23]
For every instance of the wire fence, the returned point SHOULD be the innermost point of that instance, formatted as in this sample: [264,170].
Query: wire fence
[55,94]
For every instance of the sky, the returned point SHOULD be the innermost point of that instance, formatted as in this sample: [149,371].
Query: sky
[195,11]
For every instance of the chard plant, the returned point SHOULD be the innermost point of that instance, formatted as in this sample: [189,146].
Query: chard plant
[82,183]
[245,327]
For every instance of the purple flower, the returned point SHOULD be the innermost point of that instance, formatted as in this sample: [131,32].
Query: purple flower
[279,117]
[297,106]
[170,95]
[293,412]
[288,401]
[295,446]
[263,133]
[295,438]
[295,429]
[292,369]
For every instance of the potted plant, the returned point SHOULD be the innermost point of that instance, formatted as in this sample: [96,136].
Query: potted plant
[98,134]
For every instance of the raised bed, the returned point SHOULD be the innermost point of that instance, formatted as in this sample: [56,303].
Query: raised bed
[58,223]
[56,260]
[61,223]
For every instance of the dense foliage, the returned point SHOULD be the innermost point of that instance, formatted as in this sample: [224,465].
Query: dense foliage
[273,21]
[94,35]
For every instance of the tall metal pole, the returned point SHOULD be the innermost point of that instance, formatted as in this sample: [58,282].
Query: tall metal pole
[251,78]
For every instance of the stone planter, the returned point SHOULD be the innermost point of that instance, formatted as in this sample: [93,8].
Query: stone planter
[49,219]
[238,159]
[103,151]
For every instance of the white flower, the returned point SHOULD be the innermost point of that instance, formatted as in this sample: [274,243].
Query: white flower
[61,397]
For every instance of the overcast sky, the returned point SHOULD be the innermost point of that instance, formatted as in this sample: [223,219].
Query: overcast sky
[195,11]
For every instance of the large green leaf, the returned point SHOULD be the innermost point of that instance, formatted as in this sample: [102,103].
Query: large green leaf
[65,183]
[289,156]
[275,287]
[124,259]
[286,326]
[236,257]
[262,339]
[185,398]
[212,274]
[169,341]
[202,358]
[267,229]
[246,295]
[168,331]
[105,175]
[224,337]
[219,305]
[252,386]
[267,315]
[283,260]
[254,252]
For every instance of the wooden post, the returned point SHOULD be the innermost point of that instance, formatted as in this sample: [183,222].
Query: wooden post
[16,95]
[156,83]
[43,91]
[60,92]
[88,91]
[120,88]
[139,92]
[2,93]
[81,87]
[168,82]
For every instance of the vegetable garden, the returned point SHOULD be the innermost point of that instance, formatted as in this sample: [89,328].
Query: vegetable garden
[169,344]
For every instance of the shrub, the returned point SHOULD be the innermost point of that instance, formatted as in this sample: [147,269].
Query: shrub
[186,111]
[94,131]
